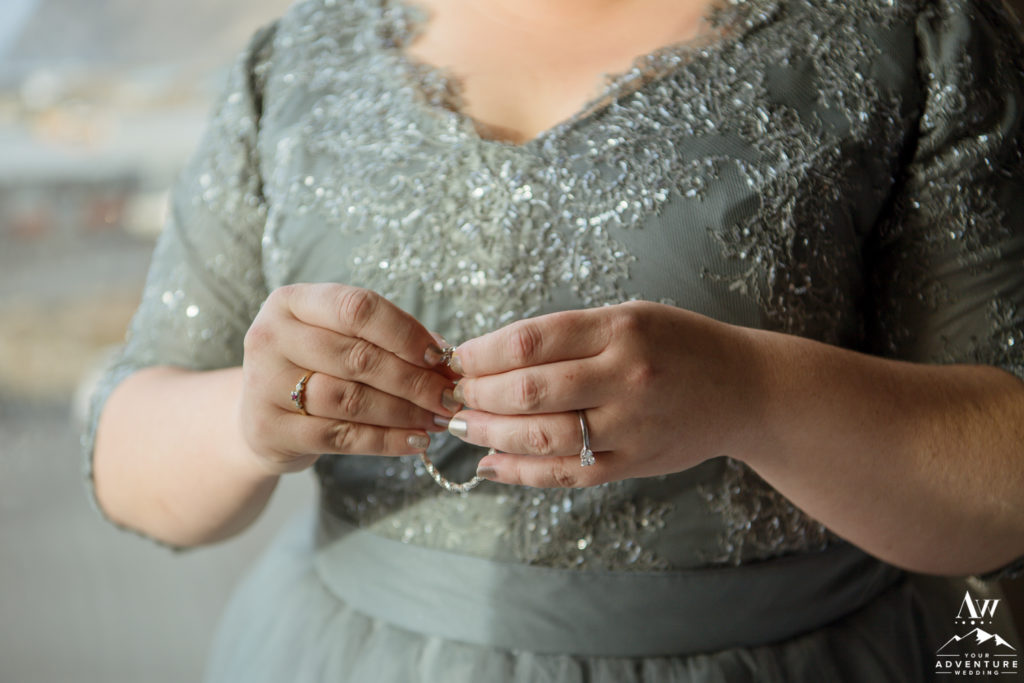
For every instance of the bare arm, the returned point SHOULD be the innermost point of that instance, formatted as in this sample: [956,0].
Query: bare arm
[170,459]
[921,465]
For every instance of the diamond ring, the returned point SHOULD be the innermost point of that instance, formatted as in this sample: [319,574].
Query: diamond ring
[586,455]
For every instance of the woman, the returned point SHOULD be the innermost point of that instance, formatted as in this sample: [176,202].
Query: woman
[743,331]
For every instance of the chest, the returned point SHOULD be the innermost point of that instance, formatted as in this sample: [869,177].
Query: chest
[522,69]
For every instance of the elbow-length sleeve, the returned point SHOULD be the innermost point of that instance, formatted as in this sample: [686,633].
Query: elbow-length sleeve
[205,282]
[947,270]
[947,266]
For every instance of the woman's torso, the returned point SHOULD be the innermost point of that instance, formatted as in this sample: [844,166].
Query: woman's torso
[738,177]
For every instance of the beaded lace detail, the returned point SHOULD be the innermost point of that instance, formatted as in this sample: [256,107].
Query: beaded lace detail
[594,528]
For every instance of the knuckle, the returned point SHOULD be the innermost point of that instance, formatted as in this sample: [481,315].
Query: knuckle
[259,336]
[641,373]
[564,476]
[630,321]
[527,393]
[278,298]
[339,436]
[538,442]
[356,305]
[283,293]
[352,399]
[361,358]
[421,385]
[525,343]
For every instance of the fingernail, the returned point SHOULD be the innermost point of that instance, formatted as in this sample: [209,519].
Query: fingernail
[458,427]
[449,402]
[456,364]
[441,421]
[418,441]
[433,355]
[487,473]
[459,394]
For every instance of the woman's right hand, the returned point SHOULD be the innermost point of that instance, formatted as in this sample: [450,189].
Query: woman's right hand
[376,384]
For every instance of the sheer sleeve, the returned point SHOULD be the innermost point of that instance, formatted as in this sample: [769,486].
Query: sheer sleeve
[205,282]
[947,269]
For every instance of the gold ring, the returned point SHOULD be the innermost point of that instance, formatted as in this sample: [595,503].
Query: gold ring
[299,393]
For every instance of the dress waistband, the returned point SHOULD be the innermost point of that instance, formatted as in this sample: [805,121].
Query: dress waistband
[594,613]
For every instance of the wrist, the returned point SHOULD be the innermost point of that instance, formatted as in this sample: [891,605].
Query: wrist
[240,455]
[759,388]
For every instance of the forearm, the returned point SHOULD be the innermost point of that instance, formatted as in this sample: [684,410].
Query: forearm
[921,465]
[170,459]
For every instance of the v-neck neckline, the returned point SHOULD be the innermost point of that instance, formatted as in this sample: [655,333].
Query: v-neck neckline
[438,92]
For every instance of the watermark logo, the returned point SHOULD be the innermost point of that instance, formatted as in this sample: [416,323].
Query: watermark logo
[979,651]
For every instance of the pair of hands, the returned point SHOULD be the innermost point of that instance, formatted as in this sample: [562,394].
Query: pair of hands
[663,389]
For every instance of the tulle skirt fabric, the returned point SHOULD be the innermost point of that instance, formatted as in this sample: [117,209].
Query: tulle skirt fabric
[283,624]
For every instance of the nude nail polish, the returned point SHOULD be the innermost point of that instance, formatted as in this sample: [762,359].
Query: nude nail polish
[449,402]
[418,441]
[456,365]
[459,394]
[488,473]
[458,427]
[433,355]
[441,421]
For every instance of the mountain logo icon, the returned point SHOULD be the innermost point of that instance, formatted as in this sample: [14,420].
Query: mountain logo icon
[977,641]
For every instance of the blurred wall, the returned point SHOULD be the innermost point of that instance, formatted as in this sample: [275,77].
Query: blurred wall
[100,103]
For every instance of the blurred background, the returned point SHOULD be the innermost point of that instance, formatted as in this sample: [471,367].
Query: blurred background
[101,101]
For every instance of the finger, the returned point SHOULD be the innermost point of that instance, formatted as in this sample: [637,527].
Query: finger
[550,472]
[358,360]
[300,435]
[551,388]
[358,312]
[445,368]
[338,399]
[546,339]
[537,435]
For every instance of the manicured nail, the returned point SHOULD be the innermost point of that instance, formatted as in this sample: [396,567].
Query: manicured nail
[449,402]
[487,473]
[455,364]
[441,421]
[459,394]
[418,441]
[433,355]
[458,427]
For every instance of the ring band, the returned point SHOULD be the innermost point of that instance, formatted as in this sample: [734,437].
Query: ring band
[299,393]
[586,455]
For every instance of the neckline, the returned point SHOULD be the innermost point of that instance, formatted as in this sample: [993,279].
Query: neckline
[437,92]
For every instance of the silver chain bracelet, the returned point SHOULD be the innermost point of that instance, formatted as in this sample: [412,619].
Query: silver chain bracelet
[435,474]
[447,485]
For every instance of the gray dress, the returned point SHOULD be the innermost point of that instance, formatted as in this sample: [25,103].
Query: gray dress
[845,171]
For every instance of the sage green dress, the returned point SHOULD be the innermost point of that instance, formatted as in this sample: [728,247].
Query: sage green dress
[846,171]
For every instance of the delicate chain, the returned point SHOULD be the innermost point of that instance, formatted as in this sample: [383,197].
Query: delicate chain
[435,474]
[444,483]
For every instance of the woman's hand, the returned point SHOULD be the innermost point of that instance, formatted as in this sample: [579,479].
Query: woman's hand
[663,389]
[375,387]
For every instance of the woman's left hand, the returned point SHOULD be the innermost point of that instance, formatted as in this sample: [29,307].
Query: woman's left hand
[663,389]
